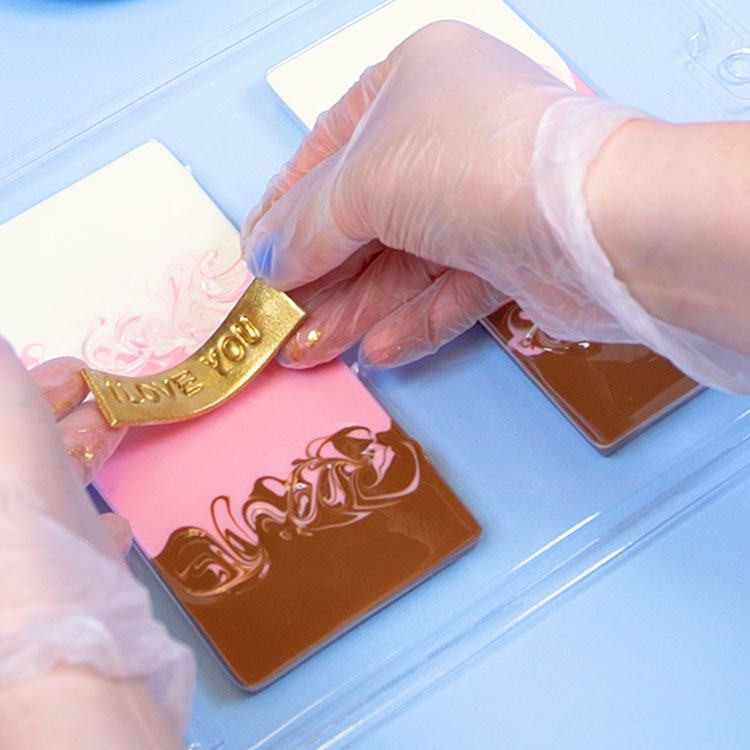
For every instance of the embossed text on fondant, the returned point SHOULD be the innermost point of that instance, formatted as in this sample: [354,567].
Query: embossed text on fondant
[182,383]
[232,347]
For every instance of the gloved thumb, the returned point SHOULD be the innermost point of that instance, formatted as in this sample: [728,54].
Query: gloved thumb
[312,229]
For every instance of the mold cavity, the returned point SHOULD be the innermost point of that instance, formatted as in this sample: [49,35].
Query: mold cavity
[697,42]
[736,67]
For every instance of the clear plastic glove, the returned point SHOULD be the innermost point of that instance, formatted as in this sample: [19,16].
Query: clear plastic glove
[432,153]
[449,176]
[66,595]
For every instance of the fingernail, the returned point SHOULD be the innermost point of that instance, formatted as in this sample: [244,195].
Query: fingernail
[292,356]
[50,375]
[60,382]
[260,260]
[364,363]
[385,358]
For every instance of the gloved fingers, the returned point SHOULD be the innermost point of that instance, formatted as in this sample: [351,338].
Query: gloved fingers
[308,296]
[331,131]
[26,421]
[33,461]
[344,313]
[448,307]
[407,169]
[67,596]
[61,384]
[119,530]
[89,439]
[301,238]
[562,314]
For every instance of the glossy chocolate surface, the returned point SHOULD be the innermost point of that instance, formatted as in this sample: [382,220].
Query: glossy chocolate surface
[609,391]
[360,519]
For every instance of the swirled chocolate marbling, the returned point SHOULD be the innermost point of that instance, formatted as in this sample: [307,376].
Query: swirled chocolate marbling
[360,519]
[610,392]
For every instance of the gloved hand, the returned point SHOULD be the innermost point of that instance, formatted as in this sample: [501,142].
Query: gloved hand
[66,596]
[458,171]
[422,199]
[86,435]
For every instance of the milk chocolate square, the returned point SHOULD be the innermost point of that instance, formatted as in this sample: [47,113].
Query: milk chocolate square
[360,519]
[610,392]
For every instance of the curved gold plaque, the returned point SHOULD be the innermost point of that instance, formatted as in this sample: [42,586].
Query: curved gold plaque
[253,332]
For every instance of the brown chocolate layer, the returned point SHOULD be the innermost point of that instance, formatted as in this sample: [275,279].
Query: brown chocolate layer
[360,519]
[609,391]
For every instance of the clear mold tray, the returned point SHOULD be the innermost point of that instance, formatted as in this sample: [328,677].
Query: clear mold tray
[552,508]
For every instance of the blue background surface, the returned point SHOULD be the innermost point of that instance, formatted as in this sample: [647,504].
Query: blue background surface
[650,653]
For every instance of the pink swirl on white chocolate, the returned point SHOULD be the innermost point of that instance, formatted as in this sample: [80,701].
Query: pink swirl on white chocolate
[31,355]
[196,295]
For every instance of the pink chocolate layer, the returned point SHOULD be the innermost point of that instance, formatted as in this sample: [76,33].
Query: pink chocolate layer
[163,478]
